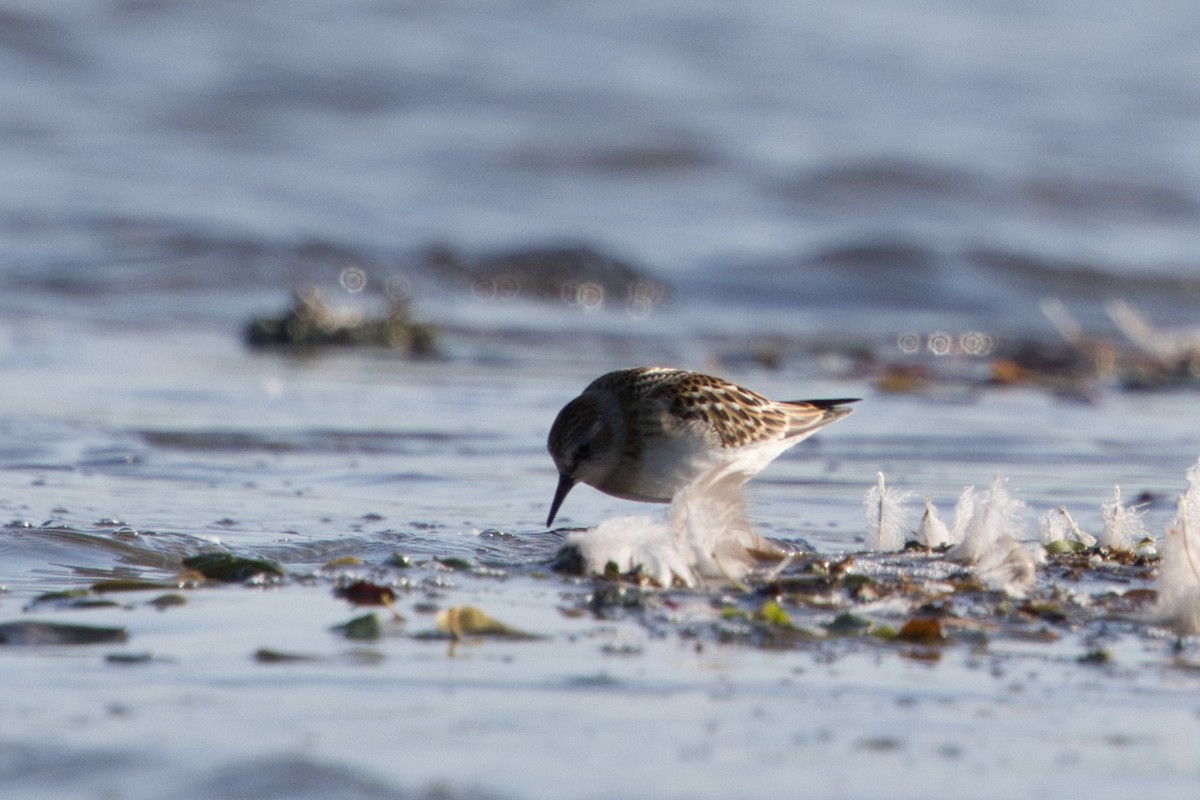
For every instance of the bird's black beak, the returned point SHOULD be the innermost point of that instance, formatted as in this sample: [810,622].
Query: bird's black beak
[565,484]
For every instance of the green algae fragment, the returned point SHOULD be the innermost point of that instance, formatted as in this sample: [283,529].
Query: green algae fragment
[73,598]
[32,632]
[773,614]
[847,624]
[1049,611]
[129,658]
[229,568]
[1060,547]
[365,627]
[130,586]
[1097,657]
[88,602]
[856,581]
[265,655]
[168,600]
[399,560]
[66,594]
[454,563]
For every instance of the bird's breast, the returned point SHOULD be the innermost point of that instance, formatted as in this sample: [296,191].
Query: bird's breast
[661,466]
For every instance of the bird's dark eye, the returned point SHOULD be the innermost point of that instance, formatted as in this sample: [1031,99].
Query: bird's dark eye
[583,452]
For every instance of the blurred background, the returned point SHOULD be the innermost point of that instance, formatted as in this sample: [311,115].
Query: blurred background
[320,227]
[776,168]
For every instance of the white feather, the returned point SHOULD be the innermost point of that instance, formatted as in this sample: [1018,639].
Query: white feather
[708,517]
[1058,525]
[1007,566]
[706,534]
[995,514]
[887,516]
[1123,527]
[991,541]
[964,510]
[933,532]
[1178,585]
[633,542]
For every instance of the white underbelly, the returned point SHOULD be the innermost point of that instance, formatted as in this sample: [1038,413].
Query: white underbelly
[669,467]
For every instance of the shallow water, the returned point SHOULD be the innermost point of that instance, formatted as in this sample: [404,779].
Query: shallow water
[306,460]
[805,195]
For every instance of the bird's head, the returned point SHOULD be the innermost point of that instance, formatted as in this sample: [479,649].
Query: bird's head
[584,444]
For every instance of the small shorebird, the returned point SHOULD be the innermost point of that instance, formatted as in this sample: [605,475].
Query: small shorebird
[644,434]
